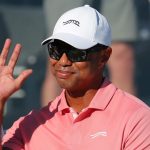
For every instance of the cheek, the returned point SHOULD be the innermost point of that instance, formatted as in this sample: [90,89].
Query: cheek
[82,66]
[85,70]
[52,61]
[88,76]
[52,64]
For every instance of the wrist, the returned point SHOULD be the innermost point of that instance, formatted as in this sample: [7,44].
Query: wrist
[2,104]
[1,132]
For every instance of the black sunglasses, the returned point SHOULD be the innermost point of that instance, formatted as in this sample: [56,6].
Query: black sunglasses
[58,48]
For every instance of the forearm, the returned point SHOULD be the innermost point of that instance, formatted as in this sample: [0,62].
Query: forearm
[2,104]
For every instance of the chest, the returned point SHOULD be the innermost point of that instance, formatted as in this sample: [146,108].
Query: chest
[93,132]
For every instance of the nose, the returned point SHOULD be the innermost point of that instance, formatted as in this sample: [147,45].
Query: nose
[64,61]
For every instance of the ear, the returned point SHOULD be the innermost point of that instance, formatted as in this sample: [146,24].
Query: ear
[104,57]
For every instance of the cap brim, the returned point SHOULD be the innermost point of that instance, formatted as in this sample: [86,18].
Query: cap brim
[73,40]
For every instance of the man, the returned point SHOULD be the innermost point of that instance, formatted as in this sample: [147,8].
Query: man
[90,113]
[122,18]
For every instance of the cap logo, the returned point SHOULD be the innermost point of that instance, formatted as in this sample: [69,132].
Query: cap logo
[71,21]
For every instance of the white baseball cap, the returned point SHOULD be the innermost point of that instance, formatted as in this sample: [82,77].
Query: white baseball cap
[82,28]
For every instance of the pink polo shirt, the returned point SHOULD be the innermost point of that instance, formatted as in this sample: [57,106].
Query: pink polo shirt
[114,120]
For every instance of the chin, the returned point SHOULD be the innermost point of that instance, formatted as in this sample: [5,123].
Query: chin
[65,85]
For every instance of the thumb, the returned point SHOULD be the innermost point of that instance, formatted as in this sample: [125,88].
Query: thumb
[22,77]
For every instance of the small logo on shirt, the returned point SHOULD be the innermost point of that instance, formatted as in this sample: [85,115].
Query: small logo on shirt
[101,133]
[72,21]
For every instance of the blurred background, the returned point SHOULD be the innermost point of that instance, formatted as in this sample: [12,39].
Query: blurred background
[24,22]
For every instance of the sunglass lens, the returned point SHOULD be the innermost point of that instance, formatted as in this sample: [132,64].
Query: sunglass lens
[73,54]
[76,55]
[54,52]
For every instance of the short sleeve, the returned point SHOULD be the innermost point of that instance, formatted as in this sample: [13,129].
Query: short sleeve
[13,139]
[138,131]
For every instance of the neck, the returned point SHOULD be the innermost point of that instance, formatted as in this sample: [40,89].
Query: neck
[80,102]
[81,99]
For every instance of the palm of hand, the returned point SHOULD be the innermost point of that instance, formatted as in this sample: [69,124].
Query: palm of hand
[8,84]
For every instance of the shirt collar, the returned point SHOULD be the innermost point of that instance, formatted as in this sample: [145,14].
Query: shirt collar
[103,95]
[100,100]
[63,105]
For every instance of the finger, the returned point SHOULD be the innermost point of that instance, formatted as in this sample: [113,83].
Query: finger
[14,57]
[22,77]
[4,52]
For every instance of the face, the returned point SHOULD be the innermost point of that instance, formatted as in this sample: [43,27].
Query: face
[78,76]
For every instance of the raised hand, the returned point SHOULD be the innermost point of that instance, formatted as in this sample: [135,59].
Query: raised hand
[8,84]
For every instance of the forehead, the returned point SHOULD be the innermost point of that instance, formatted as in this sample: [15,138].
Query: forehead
[60,43]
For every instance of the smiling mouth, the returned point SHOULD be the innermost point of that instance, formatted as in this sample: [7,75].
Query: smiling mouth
[63,74]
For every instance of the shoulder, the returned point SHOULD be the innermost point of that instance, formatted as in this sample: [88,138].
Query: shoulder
[133,109]
[23,129]
[134,114]
[128,107]
[36,117]
[40,116]
[137,126]
[130,101]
